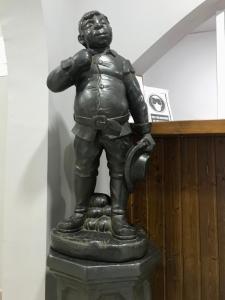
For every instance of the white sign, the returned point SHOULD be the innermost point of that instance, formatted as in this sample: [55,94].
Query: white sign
[157,101]
[158,104]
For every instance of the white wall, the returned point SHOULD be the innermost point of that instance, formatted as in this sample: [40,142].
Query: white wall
[188,71]
[3,121]
[188,24]
[136,26]
[25,198]
[220,32]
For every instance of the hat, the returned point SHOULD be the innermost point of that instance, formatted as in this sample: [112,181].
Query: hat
[136,164]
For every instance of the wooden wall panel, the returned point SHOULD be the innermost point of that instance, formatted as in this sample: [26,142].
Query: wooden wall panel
[220,201]
[190,218]
[208,218]
[173,220]
[182,206]
[156,214]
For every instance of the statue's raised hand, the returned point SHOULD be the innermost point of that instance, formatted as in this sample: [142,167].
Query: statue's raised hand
[81,61]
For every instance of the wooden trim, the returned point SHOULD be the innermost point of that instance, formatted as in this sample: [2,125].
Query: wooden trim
[189,127]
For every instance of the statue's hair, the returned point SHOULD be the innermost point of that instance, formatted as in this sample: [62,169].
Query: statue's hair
[89,15]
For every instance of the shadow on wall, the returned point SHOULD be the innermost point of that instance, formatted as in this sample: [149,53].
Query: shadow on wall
[60,184]
[60,171]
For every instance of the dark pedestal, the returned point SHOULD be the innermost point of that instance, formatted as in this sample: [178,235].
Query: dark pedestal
[88,280]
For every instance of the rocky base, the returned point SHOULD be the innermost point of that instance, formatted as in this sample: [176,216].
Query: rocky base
[95,240]
[99,246]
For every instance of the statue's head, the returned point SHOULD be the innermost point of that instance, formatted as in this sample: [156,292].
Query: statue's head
[95,31]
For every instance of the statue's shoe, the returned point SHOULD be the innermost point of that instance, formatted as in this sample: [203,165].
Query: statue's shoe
[121,229]
[71,224]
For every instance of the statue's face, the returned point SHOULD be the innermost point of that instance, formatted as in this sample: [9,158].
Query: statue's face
[96,32]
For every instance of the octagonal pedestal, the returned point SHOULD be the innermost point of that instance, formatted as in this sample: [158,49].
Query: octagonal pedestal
[90,280]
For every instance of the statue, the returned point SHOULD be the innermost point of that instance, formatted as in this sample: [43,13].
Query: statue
[107,91]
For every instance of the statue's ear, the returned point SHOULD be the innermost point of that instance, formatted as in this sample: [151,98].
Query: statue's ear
[81,40]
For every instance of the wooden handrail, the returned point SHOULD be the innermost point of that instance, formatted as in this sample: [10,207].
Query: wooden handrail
[189,127]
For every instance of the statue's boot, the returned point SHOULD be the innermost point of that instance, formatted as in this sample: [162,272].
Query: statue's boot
[119,194]
[84,188]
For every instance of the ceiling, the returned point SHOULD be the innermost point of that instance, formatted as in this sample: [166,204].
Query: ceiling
[209,25]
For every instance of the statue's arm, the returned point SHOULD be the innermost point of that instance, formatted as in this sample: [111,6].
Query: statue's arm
[65,75]
[137,105]
[59,79]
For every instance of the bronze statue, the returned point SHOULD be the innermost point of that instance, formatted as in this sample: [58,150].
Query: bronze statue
[107,91]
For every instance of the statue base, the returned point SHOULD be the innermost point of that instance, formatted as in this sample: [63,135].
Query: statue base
[95,241]
[99,246]
[89,280]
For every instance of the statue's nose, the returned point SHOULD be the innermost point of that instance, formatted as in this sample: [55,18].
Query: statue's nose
[98,25]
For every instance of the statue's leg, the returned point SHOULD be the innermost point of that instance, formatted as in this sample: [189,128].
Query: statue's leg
[116,151]
[87,154]
[119,194]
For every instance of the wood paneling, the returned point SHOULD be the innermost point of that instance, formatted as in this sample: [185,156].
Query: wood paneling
[190,224]
[173,220]
[156,209]
[208,218]
[220,204]
[181,204]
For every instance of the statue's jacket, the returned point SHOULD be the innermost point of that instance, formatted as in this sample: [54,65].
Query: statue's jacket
[108,88]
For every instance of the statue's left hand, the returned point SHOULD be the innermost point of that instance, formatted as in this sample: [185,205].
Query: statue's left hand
[148,140]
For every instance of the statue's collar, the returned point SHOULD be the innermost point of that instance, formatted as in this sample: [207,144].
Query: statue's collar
[106,51]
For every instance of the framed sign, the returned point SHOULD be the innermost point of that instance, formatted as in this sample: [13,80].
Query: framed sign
[158,104]
[157,101]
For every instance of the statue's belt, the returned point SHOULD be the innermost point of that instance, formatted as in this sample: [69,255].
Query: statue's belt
[101,122]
